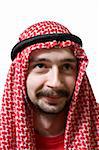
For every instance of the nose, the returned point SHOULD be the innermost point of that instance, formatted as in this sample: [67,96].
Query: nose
[54,78]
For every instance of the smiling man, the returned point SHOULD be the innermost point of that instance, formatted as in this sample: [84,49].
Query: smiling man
[54,78]
[48,102]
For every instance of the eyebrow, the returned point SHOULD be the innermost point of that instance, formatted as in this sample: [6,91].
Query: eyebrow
[38,59]
[72,60]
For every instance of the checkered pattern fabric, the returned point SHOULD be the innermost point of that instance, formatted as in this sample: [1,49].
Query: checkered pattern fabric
[16,119]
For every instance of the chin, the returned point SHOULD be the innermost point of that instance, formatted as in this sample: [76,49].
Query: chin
[51,109]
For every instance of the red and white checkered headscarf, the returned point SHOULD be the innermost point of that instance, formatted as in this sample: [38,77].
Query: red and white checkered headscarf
[16,120]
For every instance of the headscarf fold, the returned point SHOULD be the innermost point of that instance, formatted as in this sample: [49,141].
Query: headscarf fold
[16,119]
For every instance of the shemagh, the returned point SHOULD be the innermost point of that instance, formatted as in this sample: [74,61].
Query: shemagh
[16,119]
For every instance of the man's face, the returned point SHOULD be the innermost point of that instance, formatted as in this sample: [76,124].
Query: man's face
[51,78]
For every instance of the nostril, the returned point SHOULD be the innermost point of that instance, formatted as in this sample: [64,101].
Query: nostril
[54,83]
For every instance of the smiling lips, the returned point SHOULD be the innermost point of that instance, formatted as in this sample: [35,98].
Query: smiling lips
[53,99]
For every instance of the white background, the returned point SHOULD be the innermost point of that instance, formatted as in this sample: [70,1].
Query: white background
[80,16]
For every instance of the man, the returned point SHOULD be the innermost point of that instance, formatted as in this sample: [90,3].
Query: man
[48,102]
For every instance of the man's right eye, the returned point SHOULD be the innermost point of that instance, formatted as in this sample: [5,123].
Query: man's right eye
[41,65]
[40,68]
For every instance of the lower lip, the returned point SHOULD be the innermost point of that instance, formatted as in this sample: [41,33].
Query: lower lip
[53,99]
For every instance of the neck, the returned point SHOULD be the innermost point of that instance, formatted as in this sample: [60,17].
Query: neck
[49,124]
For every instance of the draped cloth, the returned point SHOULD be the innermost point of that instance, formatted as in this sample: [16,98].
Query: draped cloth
[16,117]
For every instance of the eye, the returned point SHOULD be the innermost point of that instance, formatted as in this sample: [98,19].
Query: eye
[40,68]
[68,68]
[41,65]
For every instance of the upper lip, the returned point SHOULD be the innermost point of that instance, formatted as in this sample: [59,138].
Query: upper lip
[53,96]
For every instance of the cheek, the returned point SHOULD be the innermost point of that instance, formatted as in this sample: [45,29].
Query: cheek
[33,83]
[70,82]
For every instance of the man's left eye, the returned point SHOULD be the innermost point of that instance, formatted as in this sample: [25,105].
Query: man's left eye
[67,66]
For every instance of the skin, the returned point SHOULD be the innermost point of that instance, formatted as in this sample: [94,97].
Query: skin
[50,85]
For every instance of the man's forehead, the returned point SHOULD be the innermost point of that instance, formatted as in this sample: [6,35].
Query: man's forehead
[59,53]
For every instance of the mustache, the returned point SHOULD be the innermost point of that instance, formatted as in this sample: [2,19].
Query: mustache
[48,93]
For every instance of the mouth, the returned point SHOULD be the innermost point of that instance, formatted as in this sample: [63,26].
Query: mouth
[53,94]
[53,97]
[52,100]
